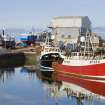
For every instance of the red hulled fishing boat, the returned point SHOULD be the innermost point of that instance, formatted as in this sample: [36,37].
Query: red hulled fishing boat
[85,62]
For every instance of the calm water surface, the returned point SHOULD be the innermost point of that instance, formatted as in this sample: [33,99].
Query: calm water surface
[18,86]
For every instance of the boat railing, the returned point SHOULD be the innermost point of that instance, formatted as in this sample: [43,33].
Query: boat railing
[52,49]
[79,55]
[82,57]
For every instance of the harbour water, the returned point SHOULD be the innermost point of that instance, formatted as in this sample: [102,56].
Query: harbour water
[21,86]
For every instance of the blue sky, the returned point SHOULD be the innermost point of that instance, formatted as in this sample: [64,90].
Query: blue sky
[38,13]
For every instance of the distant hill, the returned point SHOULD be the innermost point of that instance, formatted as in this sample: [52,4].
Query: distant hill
[18,31]
[15,30]
[100,31]
[99,28]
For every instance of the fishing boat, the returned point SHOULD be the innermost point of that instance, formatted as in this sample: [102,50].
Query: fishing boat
[84,62]
[49,54]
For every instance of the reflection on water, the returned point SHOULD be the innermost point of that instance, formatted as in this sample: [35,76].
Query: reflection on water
[83,91]
[24,86]
[6,73]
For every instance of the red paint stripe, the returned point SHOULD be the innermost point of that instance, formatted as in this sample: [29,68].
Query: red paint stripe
[92,70]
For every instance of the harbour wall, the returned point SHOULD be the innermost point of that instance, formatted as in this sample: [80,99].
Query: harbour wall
[17,59]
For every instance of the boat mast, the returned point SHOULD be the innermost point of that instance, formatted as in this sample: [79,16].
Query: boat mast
[88,47]
[47,40]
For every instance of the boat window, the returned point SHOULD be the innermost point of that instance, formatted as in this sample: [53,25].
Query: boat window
[75,54]
[86,54]
[82,54]
[79,54]
[46,56]
[56,50]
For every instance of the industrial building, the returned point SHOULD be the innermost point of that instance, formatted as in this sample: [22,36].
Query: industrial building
[65,28]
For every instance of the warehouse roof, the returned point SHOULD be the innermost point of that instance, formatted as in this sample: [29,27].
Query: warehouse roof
[63,17]
[70,21]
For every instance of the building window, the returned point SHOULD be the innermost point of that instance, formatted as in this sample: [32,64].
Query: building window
[63,36]
[69,36]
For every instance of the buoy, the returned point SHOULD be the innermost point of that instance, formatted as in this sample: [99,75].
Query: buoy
[82,39]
